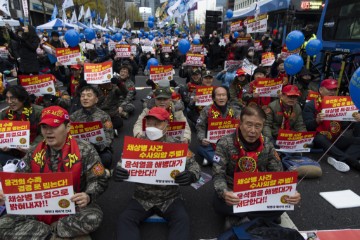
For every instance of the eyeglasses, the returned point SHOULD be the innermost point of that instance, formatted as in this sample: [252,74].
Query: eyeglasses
[11,99]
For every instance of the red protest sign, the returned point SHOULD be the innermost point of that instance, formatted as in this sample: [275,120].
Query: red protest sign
[194,59]
[68,56]
[219,127]
[98,73]
[14,134]
[291,141]
[122,50]
[203,95]
[338,108]
[92,132]
[38,84]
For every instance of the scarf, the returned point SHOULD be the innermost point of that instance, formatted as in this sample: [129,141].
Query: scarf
[331,129]
[68,161]
[171,117]
[286,116]
[215,112]
[248,153]
[74,83]
[26,115]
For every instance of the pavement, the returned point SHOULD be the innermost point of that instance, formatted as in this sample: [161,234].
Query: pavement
[313,212]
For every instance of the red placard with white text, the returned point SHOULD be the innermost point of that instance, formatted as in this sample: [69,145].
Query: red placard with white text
[291,141]
[14,134]
[92,132]
[312,95]
[285,52]
[68,56]
[233,64]
[236,26]
[38,84]
[158,73]
[166,48]
[197,48]
[98,73]
[242,41]
[38,193]
[122,50]
[267,59]
[338,108]
[268,87]
[219,127]
[176,130]
[264,191]
[195,59]
[203,95]
[152,162]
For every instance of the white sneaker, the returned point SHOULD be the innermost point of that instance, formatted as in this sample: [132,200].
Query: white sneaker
[340,166]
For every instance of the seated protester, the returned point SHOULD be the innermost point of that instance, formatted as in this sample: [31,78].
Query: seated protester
[219,109]
[175,96]
[71,79]
[188,91]
[123,79]
[112,101]
[305,83]
[188,71]
[284,113]
[164,200]
[236,89]
[20,109]
[91,113]
[127,61]
[232,155]
[55,40]
[252,98]
[163,99]
[88,178]
[346,150]
[193,111]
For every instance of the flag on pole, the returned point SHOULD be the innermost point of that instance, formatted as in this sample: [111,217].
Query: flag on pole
[81,14]
[73,17]
[67,4]
[87,14]
[128,24]
[54,13]
[105,19]
[64,17]
[4,7]
[114,24]
[186,19]
[123,26]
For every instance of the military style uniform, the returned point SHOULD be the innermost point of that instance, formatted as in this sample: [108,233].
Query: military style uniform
[86,220]
[236,90]
[130,86]
[275,119]
[177,116]
[228,159]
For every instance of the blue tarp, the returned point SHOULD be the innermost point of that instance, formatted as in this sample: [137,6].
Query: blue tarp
[263,6]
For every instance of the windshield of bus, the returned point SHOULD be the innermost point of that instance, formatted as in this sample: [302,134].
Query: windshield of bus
[342,21]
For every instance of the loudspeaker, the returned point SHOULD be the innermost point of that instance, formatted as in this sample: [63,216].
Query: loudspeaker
[211,21]
[138,25]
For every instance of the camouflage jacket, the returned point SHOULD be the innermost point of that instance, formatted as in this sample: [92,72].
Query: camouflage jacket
[274,119]
[202,122]
[96,114]
[130,86]
[162,196]
[93,178]
[111,100]
[224,163]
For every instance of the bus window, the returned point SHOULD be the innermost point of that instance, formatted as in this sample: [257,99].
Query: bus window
[342,21]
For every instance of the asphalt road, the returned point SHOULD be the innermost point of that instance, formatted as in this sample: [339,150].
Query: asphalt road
[312,213]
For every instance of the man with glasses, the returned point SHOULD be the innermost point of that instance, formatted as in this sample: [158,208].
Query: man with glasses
[346,150]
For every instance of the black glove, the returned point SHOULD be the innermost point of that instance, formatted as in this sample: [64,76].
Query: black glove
[120,174]
[151,83]
[185,178]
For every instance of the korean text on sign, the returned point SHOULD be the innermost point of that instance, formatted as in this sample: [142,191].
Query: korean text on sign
[219,127]
[290,141]
[14,134]
[203,95]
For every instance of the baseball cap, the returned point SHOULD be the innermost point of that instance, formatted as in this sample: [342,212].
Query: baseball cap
[207,74]
[195,71]
[159,113]
[329,84]
[54,116]
[240,72]
[291,90]
[76,66]
[163,92]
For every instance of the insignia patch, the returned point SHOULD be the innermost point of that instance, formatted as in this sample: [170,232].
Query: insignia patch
[22,165]
[108,124]
[98,169]
[216,159]
[247,164]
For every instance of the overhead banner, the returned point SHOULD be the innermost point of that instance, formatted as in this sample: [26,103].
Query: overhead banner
[268,87]
[98,73]
[203,95]
[290,141]
[338,108]
[219,127]
[92,132]
[158,73]
[68,56]
[122,50]
[38,84]
[256,25]
[153,162]
[236,26]
[14,134]
[195,59]
[264,191]
[38,193]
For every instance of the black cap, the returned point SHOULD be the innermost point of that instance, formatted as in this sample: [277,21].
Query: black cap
[260,70]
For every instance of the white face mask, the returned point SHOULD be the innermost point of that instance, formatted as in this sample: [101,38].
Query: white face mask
[251,54]
[10,166]
[153,133]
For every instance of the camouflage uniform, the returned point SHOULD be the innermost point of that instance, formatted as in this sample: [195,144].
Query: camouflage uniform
[236,90]
[96,114]
[85,221]
[178,116]
[130,86]
[274,119]
[162,196]
[224,166]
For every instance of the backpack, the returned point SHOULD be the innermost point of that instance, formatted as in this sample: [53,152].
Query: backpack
[303,165]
